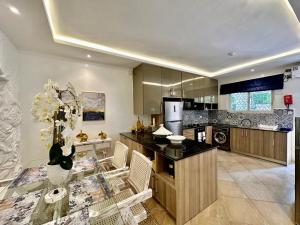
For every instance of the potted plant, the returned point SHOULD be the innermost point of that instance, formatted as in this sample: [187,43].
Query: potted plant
[59,109]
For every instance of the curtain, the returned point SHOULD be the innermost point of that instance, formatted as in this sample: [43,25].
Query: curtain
[260,84]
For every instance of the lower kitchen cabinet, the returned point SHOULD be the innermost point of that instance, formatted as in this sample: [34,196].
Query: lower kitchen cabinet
[271,145]
[165,194]
[189,133]
[171,199]
[269,141]
[160,190]
[240,140]
[281,149]
[191,189]
[256,142]
[132,145]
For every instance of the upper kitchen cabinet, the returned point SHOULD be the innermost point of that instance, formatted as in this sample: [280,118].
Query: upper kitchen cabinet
[147,89]
[151,83]
[206,90]
[171,83]
[188,83]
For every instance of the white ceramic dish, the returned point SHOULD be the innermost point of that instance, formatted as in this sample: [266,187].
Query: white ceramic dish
[176,139]
[267,127]
[162,132]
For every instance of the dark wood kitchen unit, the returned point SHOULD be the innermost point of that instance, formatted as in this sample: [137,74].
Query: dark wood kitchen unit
[192,186]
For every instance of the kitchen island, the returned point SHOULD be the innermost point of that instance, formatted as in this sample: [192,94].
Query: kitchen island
[184,178]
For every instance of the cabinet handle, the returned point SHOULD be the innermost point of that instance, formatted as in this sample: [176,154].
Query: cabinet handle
[156,189]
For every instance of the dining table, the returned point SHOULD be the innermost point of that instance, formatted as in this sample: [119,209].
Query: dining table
[89,197]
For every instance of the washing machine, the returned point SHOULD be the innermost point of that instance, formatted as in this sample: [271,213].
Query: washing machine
[221,136]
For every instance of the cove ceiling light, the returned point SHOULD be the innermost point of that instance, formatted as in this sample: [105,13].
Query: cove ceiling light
[75,42]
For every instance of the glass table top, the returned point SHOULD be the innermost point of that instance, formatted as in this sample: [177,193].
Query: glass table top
[89,197]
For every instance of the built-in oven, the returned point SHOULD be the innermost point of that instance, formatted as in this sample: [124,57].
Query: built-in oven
[200,135]
[188,103]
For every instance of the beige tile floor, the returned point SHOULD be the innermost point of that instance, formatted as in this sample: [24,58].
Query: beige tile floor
[250,192]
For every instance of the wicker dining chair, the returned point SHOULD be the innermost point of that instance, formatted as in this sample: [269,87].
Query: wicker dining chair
[117,162]
[129,201]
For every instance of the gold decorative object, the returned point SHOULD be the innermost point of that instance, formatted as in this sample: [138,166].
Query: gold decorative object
[139,126]
[82,136]
[102,135]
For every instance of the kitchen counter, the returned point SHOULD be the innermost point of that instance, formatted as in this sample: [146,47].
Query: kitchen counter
[232,126]
[183,178]
[165,148]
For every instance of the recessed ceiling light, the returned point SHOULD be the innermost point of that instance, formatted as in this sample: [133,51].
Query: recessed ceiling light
[76,42]
[86,65]
[14,10]
[252,70]
[88,56]
[231,53]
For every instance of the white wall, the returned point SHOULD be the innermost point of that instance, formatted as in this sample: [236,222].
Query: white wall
[115,82]
[10,113]
[290,87]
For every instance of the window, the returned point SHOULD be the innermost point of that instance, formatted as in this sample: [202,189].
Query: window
[251,101]
[261,101]
[239,101]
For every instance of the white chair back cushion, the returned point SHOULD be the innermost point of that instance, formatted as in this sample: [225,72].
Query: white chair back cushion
[120,155]
[140,171]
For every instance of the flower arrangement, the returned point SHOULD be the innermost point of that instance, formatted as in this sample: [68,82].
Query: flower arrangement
[59,109]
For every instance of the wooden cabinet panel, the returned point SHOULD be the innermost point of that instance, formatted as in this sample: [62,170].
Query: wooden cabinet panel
[160,190]
[280,146]
[171,200]
[152,93]
[208,134]
[256,142]
[169,77]
[196,184]
[188,85]
[236,139]
[268,150]
[246,141]
[132,145]
[189,133]
[233,139]
[268,144]
[138,99]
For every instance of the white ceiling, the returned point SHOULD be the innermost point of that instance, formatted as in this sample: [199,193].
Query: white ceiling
[30,31]
[194,34]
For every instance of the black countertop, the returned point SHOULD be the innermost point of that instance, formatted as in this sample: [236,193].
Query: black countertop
[165,148]
[230,126]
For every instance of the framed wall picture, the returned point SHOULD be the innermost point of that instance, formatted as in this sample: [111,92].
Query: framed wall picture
[93,105]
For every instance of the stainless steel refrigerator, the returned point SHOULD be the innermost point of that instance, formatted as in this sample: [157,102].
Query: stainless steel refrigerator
[297,168]
[173,111]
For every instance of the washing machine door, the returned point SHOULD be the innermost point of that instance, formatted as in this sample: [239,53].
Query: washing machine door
[220,137]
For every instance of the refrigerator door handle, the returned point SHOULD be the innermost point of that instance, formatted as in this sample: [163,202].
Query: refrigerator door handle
[174,108]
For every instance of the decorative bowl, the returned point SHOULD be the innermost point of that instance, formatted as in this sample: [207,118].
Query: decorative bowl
[176,139]
[162,132]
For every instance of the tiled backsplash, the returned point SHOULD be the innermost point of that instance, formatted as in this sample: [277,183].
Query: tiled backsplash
[282,117]
[195,116]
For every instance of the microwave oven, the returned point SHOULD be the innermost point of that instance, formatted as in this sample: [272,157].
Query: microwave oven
[188,103]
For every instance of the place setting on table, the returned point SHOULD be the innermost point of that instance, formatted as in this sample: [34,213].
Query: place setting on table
[65,191]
